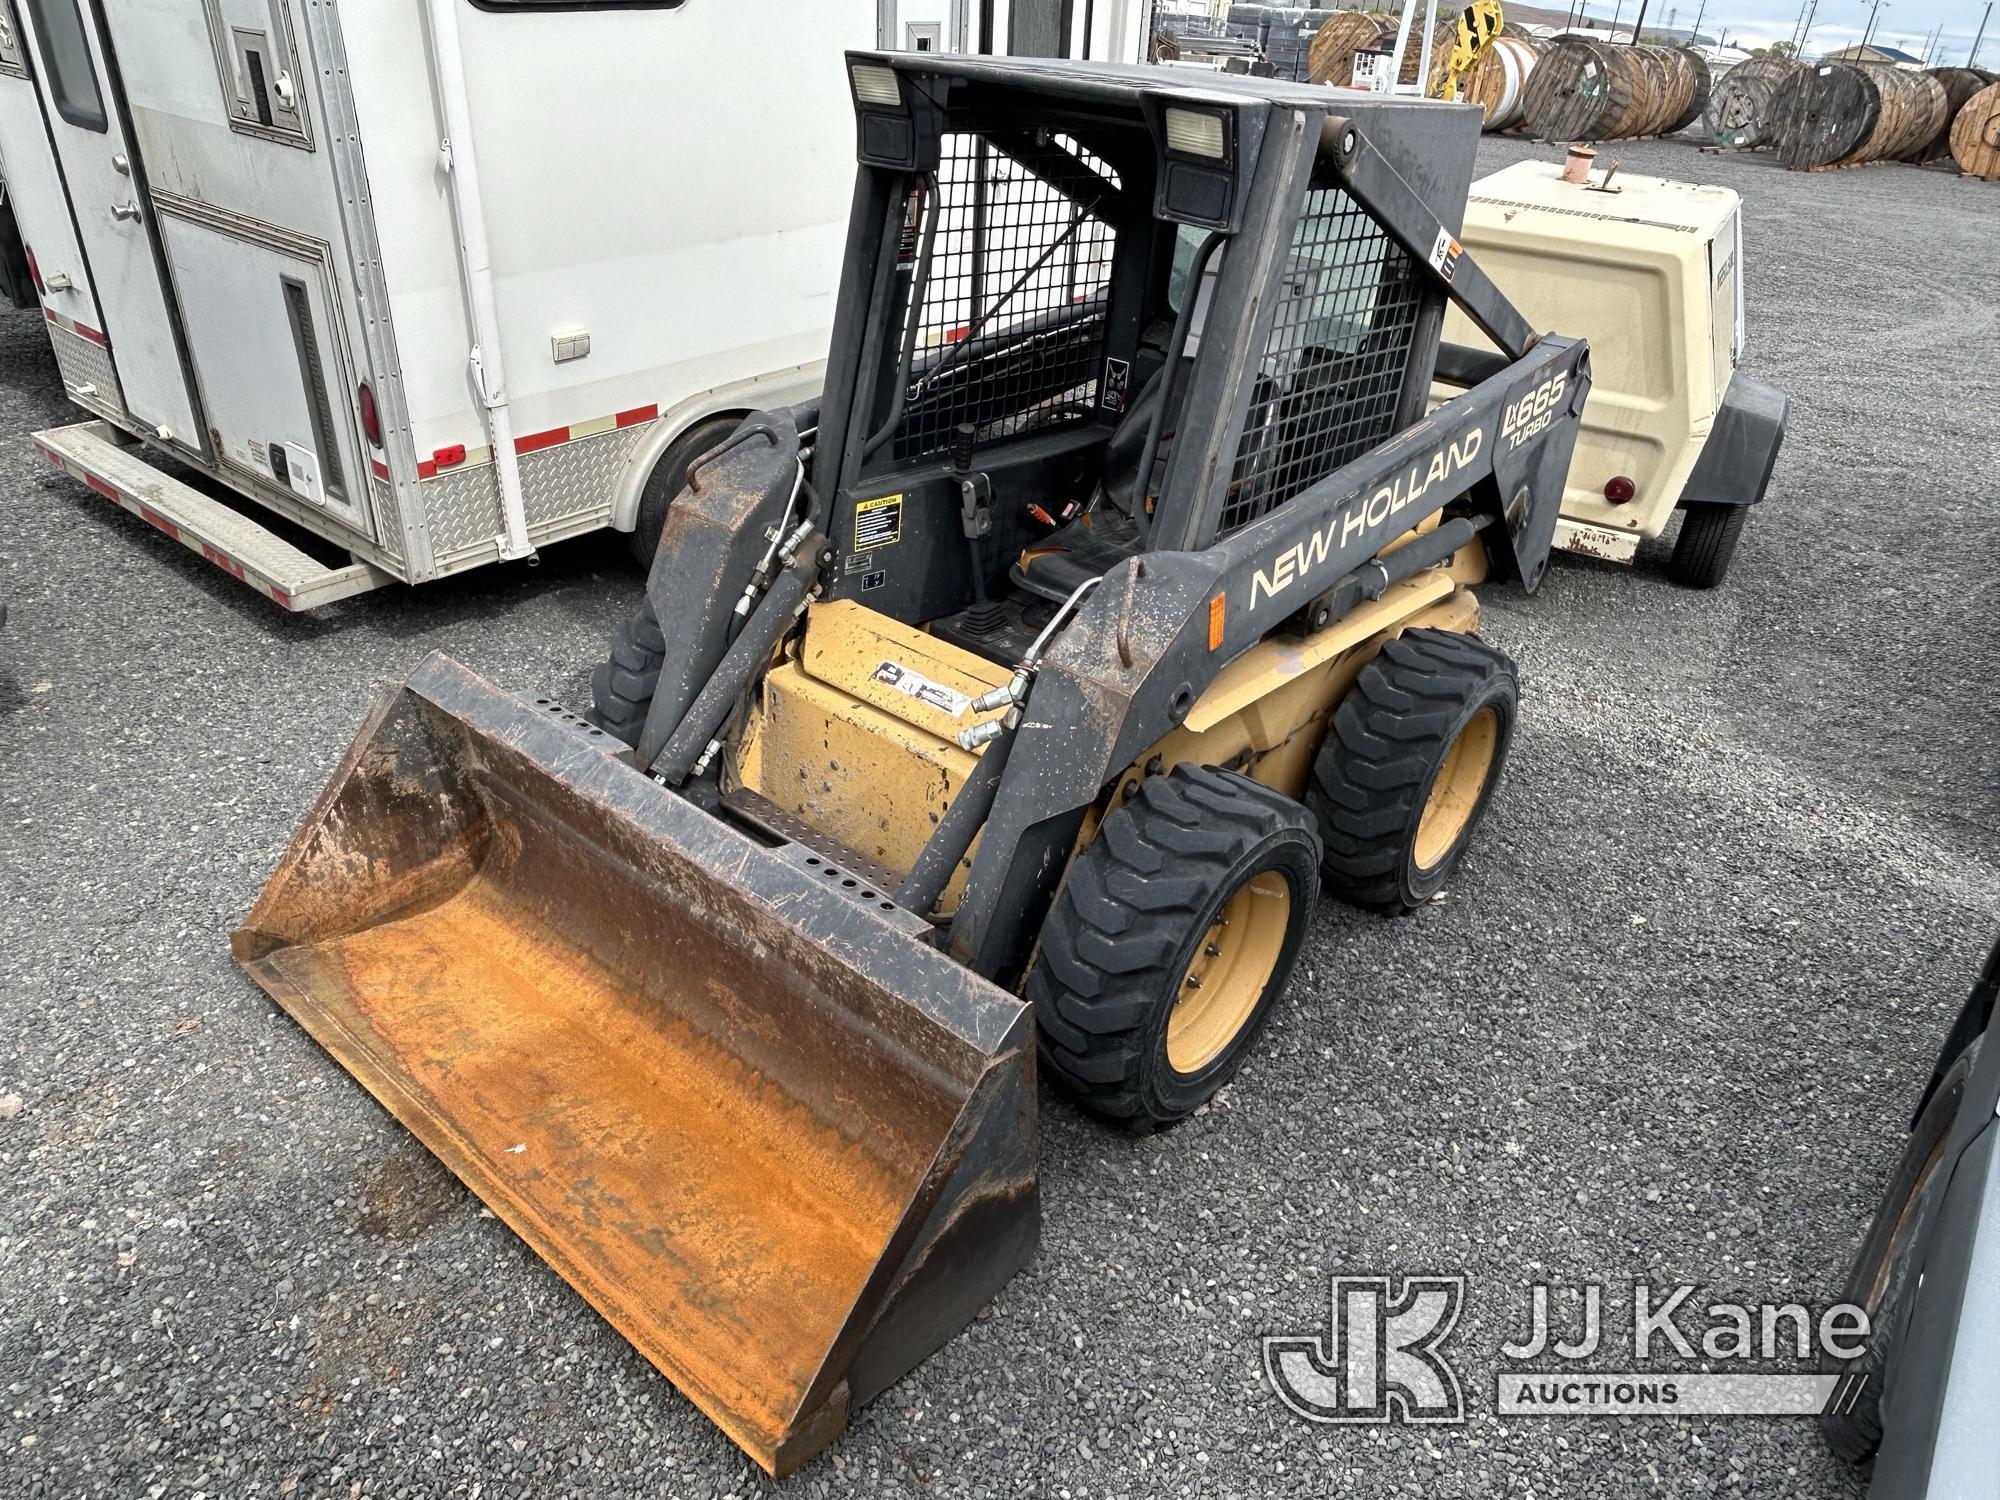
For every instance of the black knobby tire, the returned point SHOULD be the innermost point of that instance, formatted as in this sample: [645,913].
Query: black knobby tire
[1884,1275]
[1702,552]
[668,479]
[622,687]
[1390,746]
[1140,912]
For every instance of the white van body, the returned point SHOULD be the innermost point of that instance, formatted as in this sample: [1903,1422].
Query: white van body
[437,280]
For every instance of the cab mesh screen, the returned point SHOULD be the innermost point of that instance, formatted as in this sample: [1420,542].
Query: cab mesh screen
[1009,312]
[1331,376]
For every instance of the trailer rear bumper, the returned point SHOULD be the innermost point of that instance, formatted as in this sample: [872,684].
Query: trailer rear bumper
[1591,540]
[116,468]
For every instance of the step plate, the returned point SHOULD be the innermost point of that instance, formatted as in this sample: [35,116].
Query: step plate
[234,542]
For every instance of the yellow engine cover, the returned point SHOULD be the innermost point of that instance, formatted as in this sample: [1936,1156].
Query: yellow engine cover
[858,735]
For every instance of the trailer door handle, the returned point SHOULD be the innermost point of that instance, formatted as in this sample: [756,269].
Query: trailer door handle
[125,210]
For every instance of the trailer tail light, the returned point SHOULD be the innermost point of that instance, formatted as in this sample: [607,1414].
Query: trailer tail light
[371,419]
[1619,490]
[34,270]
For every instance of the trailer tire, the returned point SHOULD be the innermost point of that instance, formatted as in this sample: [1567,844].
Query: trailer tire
[668,479]
[622,687]
[1702,552]
[1884,1275]
[1409,765]
[1125,1022]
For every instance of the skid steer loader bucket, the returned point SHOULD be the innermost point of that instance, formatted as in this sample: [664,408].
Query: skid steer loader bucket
[778,1141]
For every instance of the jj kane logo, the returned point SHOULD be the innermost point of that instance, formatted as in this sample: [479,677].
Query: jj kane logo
[1382,1357]
[1379,1360]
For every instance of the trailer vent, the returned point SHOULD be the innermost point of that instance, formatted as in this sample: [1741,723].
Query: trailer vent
[1006,328]
[260,88]
[1330,381]
[298,308]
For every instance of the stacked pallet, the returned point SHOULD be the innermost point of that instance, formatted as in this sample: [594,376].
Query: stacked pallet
[1831,115]
[1582,90]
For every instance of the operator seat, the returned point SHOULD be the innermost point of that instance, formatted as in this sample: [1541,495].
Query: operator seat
[1108,533]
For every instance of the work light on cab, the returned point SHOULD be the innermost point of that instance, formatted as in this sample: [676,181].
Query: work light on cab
[875,84]
[1195,132]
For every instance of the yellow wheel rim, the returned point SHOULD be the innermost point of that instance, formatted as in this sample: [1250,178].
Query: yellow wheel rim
[1231,968]
[1456,791]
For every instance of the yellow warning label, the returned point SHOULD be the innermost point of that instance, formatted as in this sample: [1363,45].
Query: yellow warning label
[878,523]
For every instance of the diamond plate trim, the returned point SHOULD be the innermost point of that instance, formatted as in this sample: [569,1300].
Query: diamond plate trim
[564,489]
[84,362]
[388,519]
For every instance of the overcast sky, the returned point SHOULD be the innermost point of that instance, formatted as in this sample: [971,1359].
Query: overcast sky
[1902,23]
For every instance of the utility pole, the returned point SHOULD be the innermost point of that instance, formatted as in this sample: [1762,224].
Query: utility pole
[1869,30]
[1639,24]
[1695,34]
[1614,19]
[1973,55]
[1812,15]
[1799,25]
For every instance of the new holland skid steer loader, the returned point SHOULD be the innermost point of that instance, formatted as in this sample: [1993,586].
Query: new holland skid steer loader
[1017,699]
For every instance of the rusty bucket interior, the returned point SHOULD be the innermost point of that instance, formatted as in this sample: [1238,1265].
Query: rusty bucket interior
[777,1140]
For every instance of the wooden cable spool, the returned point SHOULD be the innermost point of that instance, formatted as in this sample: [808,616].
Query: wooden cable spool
[1653,92]
[1330,57]
[1575,91]
[1959,85]
[1822,114]
[1498,82]
[1739,112]
[1975,135]
[1695,104]
[1909,105]
[1582,90]
[1922,111]
[1166,47]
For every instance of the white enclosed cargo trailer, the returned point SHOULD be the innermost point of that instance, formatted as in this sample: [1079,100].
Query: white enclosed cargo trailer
[440,281]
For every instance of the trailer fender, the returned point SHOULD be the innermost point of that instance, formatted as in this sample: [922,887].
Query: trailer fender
[1742,448]
[738,399]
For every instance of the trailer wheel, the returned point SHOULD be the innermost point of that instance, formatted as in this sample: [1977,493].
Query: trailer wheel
[1707,542]
[1409,765]
[668,479]
[622,688]
[1172,938]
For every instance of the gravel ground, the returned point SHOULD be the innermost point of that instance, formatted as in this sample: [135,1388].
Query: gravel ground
[1666,1026]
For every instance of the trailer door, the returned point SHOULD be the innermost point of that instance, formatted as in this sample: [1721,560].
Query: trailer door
[84,107]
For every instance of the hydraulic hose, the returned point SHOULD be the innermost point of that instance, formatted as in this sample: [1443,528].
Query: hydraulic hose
[956,830]
[693,737]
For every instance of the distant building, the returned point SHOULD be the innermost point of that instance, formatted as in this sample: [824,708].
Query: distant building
[1895,57]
